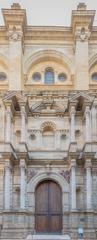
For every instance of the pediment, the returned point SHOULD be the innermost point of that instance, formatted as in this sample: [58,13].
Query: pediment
[14,94]
[86,97]
[15,99]
[49,107]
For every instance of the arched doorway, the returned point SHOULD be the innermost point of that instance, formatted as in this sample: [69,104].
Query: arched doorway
[48,207]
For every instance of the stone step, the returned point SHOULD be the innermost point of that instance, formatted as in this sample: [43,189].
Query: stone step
[48,237]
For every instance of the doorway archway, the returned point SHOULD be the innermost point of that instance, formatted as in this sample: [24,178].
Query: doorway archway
[48,207]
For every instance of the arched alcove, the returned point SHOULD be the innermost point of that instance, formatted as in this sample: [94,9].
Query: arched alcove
[48,176]
[48,135]
[51,55]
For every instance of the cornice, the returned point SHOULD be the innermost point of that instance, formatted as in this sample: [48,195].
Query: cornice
[15,17]
[56,33]
[42,33]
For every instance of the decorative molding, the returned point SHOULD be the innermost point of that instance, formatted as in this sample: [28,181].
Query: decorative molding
[66,174]
[48,124]
[30,174]
[82,35]
[15,35]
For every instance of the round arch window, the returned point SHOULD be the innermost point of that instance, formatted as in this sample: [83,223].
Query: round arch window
[49,76]
[36,76]
[2,76]
[94,76]
[62,77]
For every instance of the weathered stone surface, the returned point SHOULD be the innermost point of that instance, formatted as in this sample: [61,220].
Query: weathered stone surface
[48,130]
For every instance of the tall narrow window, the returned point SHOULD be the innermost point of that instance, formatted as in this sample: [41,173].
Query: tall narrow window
[49,76]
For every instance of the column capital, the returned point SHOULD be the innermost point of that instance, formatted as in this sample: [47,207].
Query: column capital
[88,163]
[72,109]
[87,109]
[23,110]
[82,34]
[7,164]
[15,35]
[22,163]
[73,163]
[23,107]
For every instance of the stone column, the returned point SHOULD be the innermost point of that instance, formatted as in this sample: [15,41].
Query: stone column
[88,124]
[94,123]
[73,184]
[8,123]
[72,127]
[88,166]
[23,124]
[81,59]
[15,59]
[39,139]
[16,21]
[57,139]
[7,195]
[22,184]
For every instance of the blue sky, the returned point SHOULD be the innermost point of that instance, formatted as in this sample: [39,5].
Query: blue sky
[49,12]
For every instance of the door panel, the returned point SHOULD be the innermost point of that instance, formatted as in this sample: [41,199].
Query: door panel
[48,212]
[42,198]
[55,223]
[41,223]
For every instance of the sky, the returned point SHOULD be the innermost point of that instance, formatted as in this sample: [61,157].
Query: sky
[48,12]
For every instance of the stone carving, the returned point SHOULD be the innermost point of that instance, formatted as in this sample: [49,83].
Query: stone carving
[31,173]
[49,106]
[82,34]
[15,35]
[66,175]
[48,124]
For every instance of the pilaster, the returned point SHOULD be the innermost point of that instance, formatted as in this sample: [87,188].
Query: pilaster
[8,121]
[88,166]
[72,123]
[73,184]
[22,184]
[87,124]
[7,190]
[82,22]
[23,122]
[15,22]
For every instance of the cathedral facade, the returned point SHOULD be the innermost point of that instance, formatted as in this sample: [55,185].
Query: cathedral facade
[48,128]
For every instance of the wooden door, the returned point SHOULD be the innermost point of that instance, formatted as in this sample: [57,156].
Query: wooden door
[48,211]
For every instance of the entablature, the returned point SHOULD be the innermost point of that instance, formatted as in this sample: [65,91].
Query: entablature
[16,17]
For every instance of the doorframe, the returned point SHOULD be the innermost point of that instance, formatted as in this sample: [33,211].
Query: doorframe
[42,176]
[60,206]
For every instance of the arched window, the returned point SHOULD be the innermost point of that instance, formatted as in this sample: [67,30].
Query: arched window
[49,76]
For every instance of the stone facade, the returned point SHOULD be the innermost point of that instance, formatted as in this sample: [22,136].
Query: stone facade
[48,122]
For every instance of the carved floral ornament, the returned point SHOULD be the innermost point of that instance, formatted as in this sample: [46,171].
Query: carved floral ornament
[15,35]
[65,174]
[48,124]
[31,173]
[82,34]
